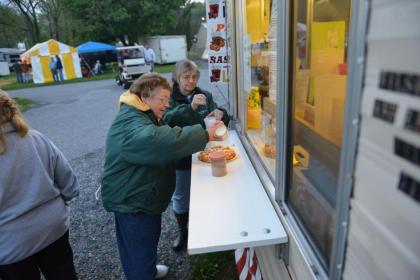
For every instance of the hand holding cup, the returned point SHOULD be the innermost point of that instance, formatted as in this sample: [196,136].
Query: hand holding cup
[212,131]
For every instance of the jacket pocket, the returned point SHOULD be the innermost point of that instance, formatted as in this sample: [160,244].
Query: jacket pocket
[145,195]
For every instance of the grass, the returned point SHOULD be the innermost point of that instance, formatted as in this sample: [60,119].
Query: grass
[215,266]
[14,85]
[164,68]
[23,103]
[9,82]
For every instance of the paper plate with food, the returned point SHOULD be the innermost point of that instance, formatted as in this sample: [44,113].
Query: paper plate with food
[230,153]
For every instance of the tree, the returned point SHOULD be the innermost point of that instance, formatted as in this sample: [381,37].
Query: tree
[126,21]
[12,27]
[52,10]
[29,9]
[36,21]
[190,20]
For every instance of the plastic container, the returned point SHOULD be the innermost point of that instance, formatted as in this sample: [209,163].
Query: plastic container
[218,164]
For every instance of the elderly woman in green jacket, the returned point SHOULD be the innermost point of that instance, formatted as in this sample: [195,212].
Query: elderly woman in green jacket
[189,105]
[139,178]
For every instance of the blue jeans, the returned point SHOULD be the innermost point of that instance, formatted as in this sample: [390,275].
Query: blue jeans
[181,196]
[55,75]
[19,77]
[152,65]
[60,75]
[137,237]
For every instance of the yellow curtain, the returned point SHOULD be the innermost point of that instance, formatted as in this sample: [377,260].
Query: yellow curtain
[68,66]
[258,19]
[46,71]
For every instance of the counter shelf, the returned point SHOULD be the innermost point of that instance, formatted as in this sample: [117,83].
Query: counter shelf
[233,211]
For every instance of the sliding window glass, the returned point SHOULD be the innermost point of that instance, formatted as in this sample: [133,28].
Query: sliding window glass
[320,31]
[259,78]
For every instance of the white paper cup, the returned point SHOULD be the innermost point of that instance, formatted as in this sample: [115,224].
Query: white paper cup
[221,131]
[209,121]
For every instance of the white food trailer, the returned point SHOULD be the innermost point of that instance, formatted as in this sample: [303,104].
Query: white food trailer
[326,100]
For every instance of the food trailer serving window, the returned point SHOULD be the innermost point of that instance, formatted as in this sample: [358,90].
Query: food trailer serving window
[318,91]
[259,89]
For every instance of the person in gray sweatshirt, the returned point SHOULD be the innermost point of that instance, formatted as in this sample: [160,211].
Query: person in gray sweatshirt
[36,184]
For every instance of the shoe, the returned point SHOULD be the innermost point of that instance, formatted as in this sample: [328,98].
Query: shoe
[182,238]
[161,271]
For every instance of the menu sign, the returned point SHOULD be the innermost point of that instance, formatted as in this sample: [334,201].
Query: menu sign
[217,41]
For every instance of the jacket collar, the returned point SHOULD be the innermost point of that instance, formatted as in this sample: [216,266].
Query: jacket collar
[179,97]
[133,100]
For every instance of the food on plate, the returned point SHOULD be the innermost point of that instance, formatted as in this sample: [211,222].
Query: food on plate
[230,153]
[269,150]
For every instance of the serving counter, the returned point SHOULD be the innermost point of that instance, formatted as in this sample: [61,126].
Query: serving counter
[233,211]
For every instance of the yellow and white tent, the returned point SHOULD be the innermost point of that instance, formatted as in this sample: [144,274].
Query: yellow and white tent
[40,56]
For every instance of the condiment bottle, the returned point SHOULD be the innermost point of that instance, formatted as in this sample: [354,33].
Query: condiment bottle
[218,164]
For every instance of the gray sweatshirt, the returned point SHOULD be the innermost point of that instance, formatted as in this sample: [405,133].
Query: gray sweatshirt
[36,181]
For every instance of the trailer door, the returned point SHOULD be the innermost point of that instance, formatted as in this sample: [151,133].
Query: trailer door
[173,49]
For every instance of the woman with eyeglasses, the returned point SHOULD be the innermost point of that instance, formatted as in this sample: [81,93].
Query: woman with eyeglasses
[139,176]
[189,105]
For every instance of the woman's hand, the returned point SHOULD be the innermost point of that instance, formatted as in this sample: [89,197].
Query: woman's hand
[218,114]
[198,99]
[212,132]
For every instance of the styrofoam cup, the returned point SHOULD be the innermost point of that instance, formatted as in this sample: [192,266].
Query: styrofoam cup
[209,121]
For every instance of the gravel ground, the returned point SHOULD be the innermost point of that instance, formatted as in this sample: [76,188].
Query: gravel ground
[92,232]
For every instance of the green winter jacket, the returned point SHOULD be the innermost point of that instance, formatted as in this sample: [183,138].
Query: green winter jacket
[180,113]
[139,171]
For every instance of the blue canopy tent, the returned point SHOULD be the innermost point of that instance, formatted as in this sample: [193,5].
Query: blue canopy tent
[92,47]
[90,52]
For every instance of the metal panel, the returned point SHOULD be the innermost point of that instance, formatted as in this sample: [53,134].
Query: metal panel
[240,27]
[358,31]
[388,255]
[233,59]
[283,37]
[384,224]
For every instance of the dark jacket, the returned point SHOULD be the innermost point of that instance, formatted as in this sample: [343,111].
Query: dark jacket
[59,64]
[16,67]
[180,113]
[139,160]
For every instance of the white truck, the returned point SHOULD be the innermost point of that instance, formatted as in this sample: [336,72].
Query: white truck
[168,49]
[131,65]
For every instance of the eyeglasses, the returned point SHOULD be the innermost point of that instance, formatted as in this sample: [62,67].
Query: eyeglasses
[189,77]
[162,100]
